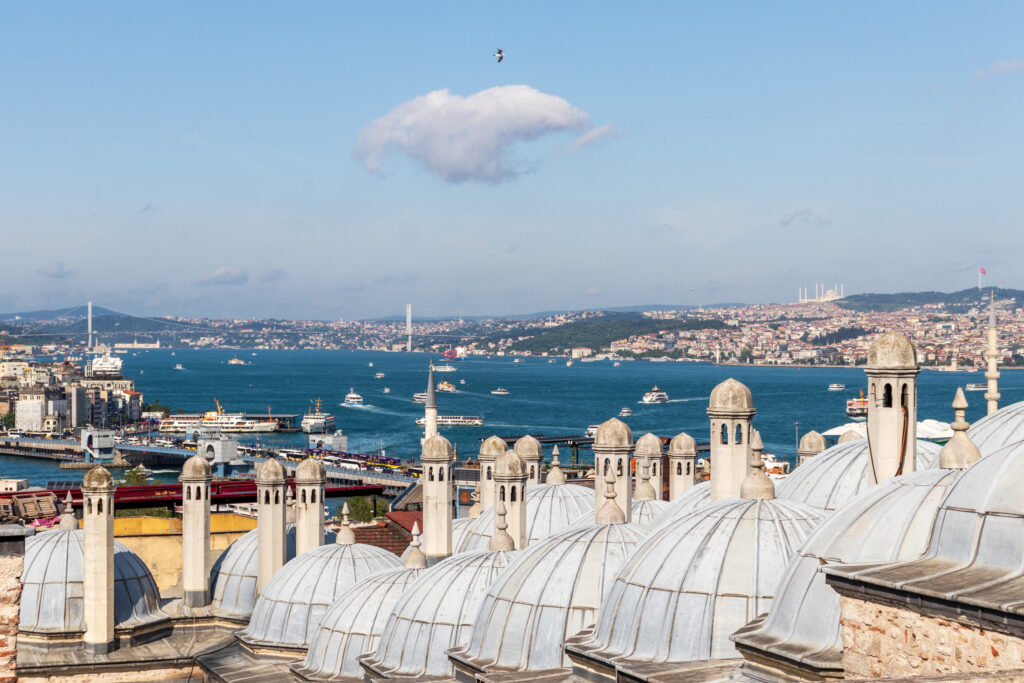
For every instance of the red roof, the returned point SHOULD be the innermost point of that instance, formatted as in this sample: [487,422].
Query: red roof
[406,519]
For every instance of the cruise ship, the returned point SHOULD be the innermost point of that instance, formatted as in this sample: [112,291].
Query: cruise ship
[352,398]
[317,421]
[454,421]
[106,366]
[655,395]
[229,423]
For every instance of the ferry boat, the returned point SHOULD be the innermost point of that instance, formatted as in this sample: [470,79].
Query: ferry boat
[454,421]
[569,363]
[551,360]
[387,390]
[775,468]
[616,364]
[445,368]
[655,395]
[857,407]
[500,391]
[379,375]
[977,386]
[352,398]
[236,361]
[591,431]
[447,387]
[462,381]
[420,397]
[317,421]
[229,423]
[626,412]
[518,360]
[177,366]
[836,386]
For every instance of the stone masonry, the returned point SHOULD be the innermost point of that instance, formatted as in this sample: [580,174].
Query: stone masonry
[882,641]
[12,557]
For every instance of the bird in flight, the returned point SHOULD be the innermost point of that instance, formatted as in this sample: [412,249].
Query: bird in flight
[500,55]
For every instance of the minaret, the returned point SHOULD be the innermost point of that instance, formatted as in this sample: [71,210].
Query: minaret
[430,407]
[892,407]
[992,356]
[648,448]
[960,452]
[682,454]
[271,548]
[529,450]
[811,444]
[195,532]
[415,559]
[757,485]
[437,497]
[310,484]
[98,577]
[731,410]
[609,512]
[555,475]
[501,540]
[490,450]
[510,479]
[613,446]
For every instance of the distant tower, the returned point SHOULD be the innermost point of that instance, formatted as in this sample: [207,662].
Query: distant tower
[436,481]
[310,483]
[510,479]
[490,450]
[195,531]
[430,408]
[731,410]
[992,356]
[613,447]
[648,453]
[89,306]
[811,444]
[892,407]
[98,576]
[682,454]
[408,328]
[270,521]
[528,448]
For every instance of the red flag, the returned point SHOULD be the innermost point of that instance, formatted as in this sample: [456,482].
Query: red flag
[982,270]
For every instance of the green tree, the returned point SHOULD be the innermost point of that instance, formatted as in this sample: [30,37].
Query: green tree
[136,476]
[7,421]
[361,509]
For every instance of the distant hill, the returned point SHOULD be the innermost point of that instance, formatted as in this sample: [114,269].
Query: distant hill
[102,324]
[599,332]
[73,313]
[895,302]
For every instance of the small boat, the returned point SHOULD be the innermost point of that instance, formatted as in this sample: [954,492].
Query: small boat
[857,407]
[836,386]
[517,360]
[655,395]
[551,360]
[500,391]
[591,431]
[616,364]
[352,398]
[387,390]
[420,397]
[569,363]
[379,375]
[626,412]
[977,386]
[236,361]
[462,381]
[178,367]
[371,363]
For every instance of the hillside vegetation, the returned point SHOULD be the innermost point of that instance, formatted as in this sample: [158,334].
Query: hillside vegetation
[894,302]
[597,333]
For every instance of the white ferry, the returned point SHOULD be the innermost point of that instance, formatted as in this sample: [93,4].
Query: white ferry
[774,468]
[229,423]
[454,421]
[379,375]
[569,363]
[420,397]
[387,390]
[236,361]
[445,368]
[655,395]
[500,391]
[106,366]
[518,360]
[836,386]
[447,387]
[626,412]
[352,398]
[462,381]
[177,366]
[857,407]
[591,431]
[977,386]
[318,422]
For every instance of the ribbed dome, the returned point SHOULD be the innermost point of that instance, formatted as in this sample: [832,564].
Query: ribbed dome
[691,498]
[837,474]
[434,614]
[550,508]
[196,467]
[550,592]
[614,433]
[52,578]
[697,579]
[731,396]
[1001,428]
[98,477]
[353,625]
[290,607]
[310,470]
[437,448]
[270,471]
[648,513]
[890,521]
[891,351]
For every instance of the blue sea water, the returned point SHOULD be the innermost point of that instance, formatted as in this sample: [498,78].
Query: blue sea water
[547,398]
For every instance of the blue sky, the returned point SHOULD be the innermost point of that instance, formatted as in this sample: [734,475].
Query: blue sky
[333,160]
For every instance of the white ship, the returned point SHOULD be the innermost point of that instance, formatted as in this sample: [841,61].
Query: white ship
[591,431]
[445,368]
[447,387]
[229,423]
[836,386]
[977,386]
[775,468]
[106,366]
[236,361]
[387,390]
[655,395]
[454,421]
[379,375]
[178,366]
[352,398]
[569,363]
[317,421]
[420,397]
[500,391]
[626,412]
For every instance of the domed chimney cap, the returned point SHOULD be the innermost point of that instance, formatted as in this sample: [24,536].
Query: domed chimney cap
[614,433]
[98,478]
[528,448]
[849,435]
[649,445]
[510,464]
[196,467]
[682,444]
[270,471]
[812,442]
[310,470]
[892,351]
[731,396]
[492,447]
[437,448]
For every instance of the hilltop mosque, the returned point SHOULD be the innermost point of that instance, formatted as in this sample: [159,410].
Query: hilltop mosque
[885,558]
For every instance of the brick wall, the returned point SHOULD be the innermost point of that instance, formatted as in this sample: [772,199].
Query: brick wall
[881,641]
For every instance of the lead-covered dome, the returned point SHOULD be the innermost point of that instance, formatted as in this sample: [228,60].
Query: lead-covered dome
[352,626]
[688,500]
[1001,428]
[550,508]
[434,614]
[837,474]
[550,592]
[648,513]
[290,607]
[891,351]
[52,587]
[697,579]
[731,396]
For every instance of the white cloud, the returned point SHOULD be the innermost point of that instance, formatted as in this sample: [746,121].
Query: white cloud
[1001,67]
[56,271]
[226,275]
[468,138]
[605,131]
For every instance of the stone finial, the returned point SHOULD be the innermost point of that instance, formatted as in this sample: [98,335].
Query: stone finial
[474,509]
[959,452]
[757,485]
[610,512]
[555,474]
[500,539]
[849,435]
[644,490]
[345,535]
[68,522]
[415,559]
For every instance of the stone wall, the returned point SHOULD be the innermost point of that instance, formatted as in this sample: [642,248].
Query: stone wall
[12,560]
[882,641]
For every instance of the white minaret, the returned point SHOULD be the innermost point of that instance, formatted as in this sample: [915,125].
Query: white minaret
[892,407]
[430,407]
[98,577]
[510,480]
[271,548]
[310,484]
[437,497]
[89,306]
[490,450]
[682,456]
[731,410]
[528,448]
[992,356]
[408,328]
[613,448]
[648,451]
[195,531]
[811,444]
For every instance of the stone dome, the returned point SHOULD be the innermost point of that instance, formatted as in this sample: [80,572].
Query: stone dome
[691,498]
[437,448]
[697,579]
[550,508]
[435,614]
[510,464]
[889,521]
[648,444]
[731,397]
[550,591]
[812,441]
[892,351]
[310,470]
[290,607]
[614,433]
[352,626]
[682,444]
[837,474]
[52,586]
[98,477]
[528,448]
[492,447]
[270,471]
[196,467]
[1001,428]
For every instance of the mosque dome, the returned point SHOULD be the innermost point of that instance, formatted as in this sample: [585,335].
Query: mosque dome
[294,601]
[353,625]
[731,396]
[550,508]
[310,469]
[891,351]
[435,614]
[52,586]
[697,579]
[1001,428]
[614,433]
[550,592]
[837,474]
[648,513]
[691,498]
[889,521]
[196,467]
